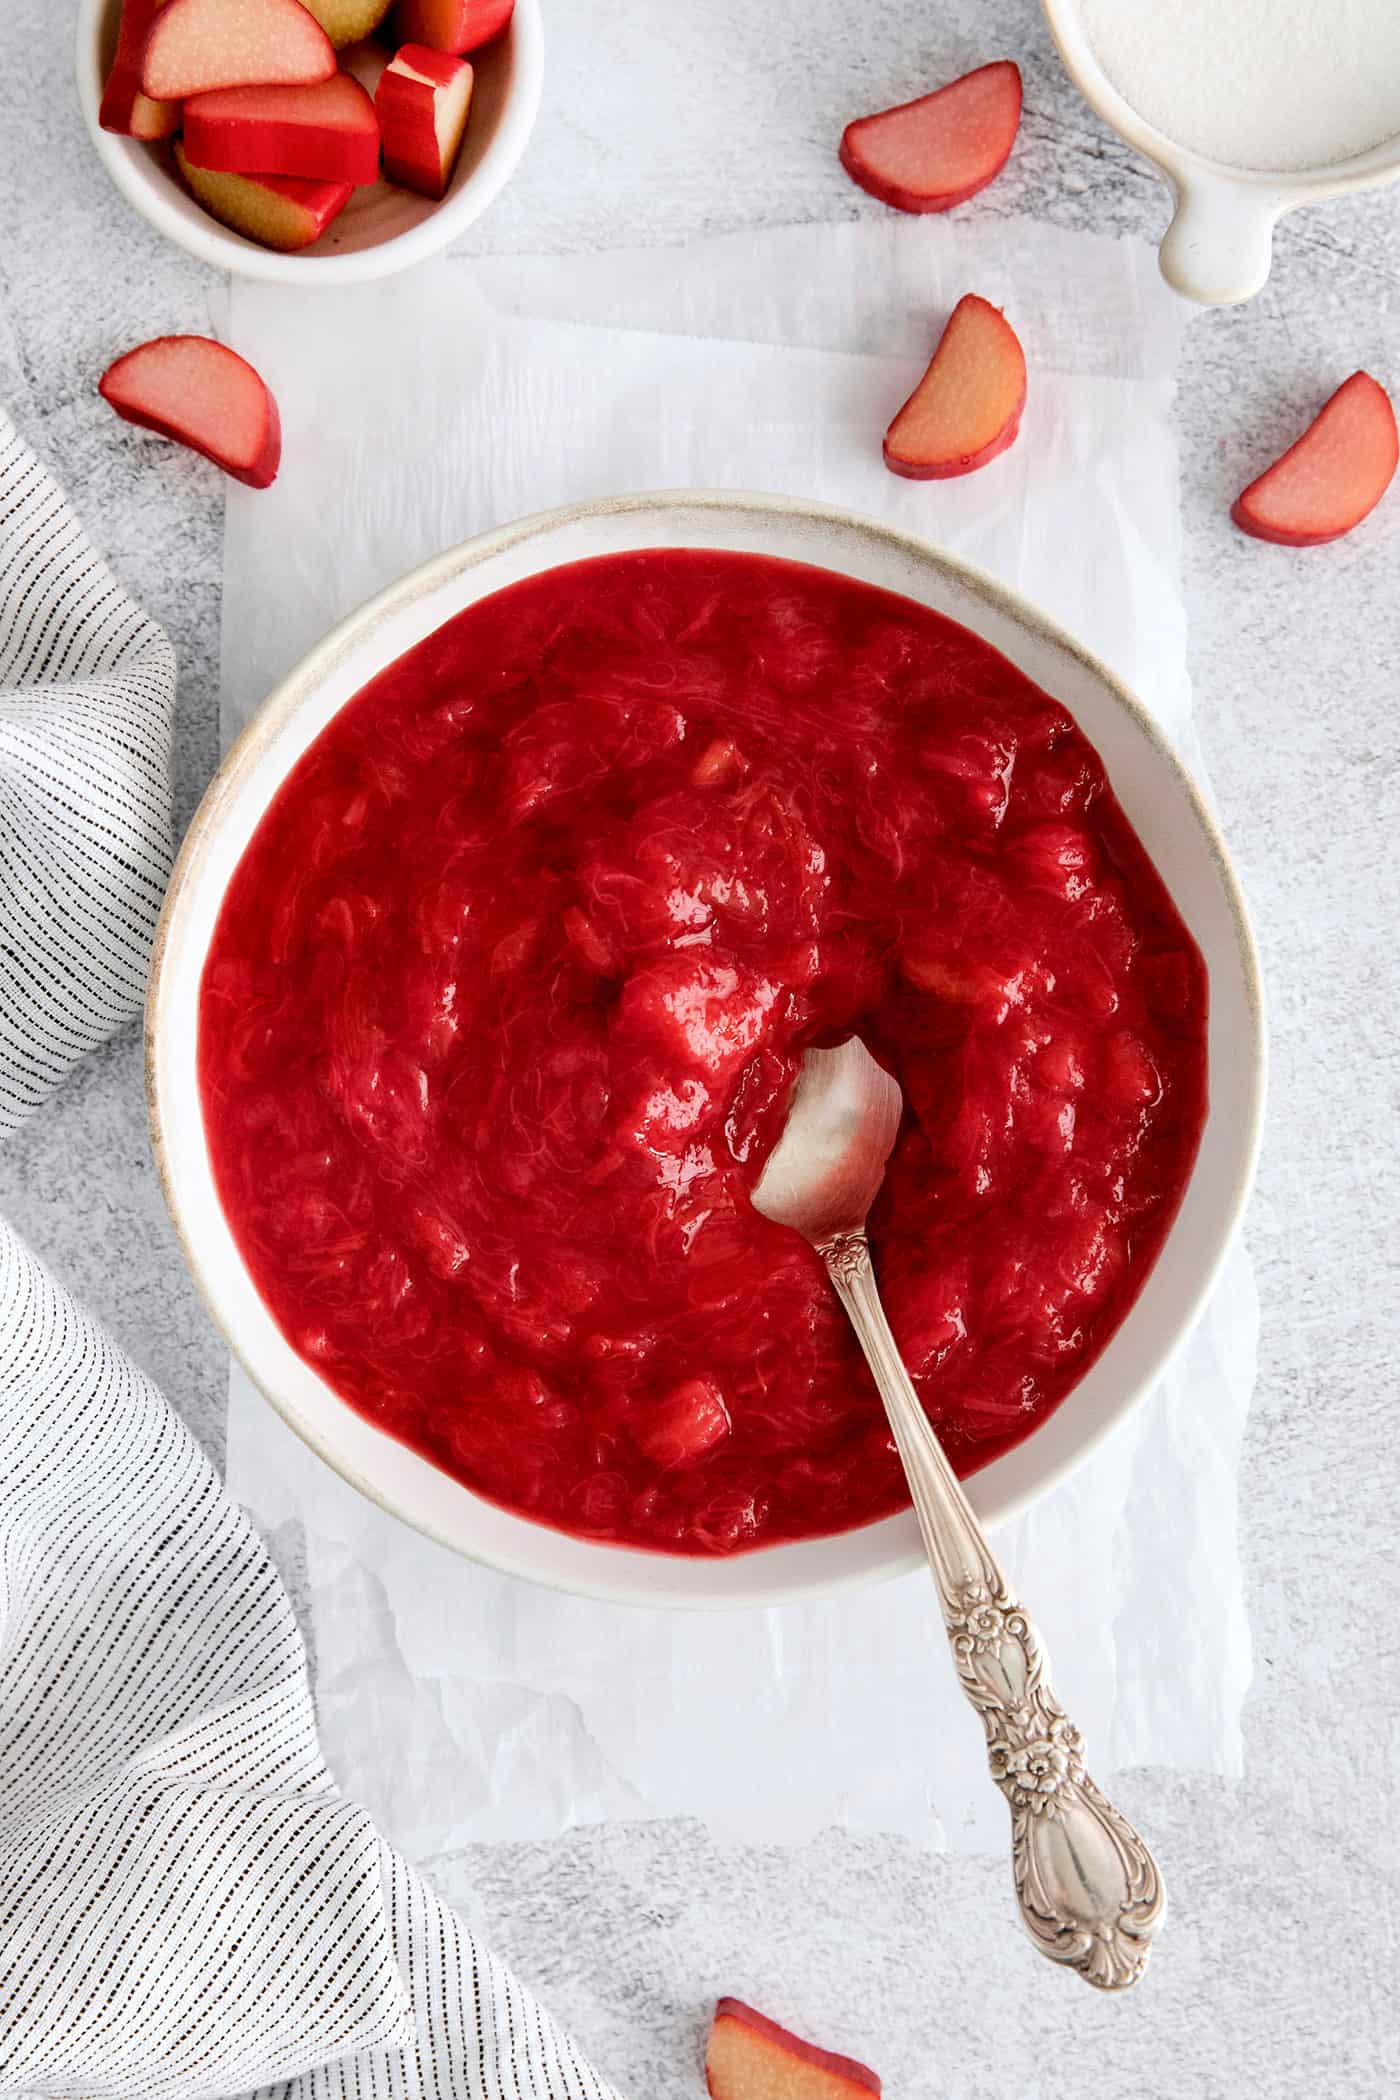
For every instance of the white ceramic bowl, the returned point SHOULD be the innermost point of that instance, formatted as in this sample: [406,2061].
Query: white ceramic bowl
[1158,797]
[383,228]
[1219,245]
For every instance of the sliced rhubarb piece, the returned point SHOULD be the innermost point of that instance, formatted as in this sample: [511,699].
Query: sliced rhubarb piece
[197,45]
[423,100]
[943,148]
[751,2057]
[278,211]
[124,108]
[325,133]
[346,21]
[451,25]
[1333,476]
[203,395]
[967,407]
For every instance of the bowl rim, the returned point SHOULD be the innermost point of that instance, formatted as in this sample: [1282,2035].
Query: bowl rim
[211,242]
[904,1553]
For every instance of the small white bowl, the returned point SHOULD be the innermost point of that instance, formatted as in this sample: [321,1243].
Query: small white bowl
[1159,799]
[1219,245]
[383,228]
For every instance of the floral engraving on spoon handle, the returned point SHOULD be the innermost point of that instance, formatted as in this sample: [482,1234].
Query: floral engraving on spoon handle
[1088,1887]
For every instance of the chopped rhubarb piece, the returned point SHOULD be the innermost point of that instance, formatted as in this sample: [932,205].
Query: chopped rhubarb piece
[751,2057]
[940,150]
[1332,477]
[203,395]
[1131,1078]
[590,945]
[325,133]
[124,108]
[346,21]
[1091,1253]
[975,981]
[423,99]
[967,407]
[280,211]
[690,1421]
[1060,1067]
[451,25]
[720,764]
[1059,858]
[196,45]
[707,1016]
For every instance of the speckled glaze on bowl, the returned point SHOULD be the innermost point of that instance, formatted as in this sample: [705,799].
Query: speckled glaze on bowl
[1149,780]
[383,228]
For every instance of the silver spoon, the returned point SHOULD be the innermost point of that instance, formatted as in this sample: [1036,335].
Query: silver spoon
[1089,1889]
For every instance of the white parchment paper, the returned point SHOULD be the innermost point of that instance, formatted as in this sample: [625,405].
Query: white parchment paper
[458,1704]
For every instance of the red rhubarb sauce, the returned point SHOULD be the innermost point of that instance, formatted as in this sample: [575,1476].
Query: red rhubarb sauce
[509,989]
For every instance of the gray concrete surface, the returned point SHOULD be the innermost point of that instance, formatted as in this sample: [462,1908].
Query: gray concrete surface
[1278,1974]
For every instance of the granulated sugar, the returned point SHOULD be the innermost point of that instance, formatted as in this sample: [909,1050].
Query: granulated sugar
[1276,84]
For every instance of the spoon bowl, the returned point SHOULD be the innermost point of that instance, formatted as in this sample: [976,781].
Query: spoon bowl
[825,1170]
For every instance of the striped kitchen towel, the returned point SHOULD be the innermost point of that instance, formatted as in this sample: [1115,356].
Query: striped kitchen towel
[188,1905]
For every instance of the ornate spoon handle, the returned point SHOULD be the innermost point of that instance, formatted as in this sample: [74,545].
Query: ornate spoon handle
[1088,1887]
